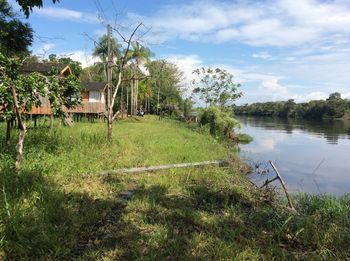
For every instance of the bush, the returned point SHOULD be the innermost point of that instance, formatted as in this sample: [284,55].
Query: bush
[220,122]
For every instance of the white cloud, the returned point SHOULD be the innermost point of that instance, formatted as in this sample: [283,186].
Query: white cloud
[310,96]
[86,59]
[269,88]
[346,95]
[262,55]
[273,87]
[67,14]
[270,23]
[186,64]
[42,50]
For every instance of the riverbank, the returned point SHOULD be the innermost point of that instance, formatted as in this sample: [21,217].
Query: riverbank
[57,208]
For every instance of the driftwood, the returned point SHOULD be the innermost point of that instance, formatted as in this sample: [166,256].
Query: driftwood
[163,167]
[279,177]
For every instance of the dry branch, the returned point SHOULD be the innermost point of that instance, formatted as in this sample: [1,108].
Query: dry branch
[279,177]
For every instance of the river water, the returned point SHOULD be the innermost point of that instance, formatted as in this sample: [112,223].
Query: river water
[312,156]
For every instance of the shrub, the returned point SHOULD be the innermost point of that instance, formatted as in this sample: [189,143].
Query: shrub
[220,122]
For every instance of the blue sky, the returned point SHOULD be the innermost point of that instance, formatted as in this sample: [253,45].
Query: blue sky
[277,49]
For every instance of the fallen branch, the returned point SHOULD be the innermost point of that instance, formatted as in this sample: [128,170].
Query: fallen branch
[163,167]
[279,177]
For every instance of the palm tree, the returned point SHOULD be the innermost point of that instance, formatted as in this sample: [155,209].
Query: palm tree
[145,93]
[139,55]
[101,51]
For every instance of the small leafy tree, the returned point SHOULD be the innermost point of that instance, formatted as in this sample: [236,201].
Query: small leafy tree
[19,93]
[215,86]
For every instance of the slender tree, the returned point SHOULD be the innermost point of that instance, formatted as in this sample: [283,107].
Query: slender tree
[119,66]
[140,55]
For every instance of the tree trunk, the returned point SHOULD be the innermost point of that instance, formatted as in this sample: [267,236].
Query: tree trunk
[158,102]
[110,127]
[51,121]
[19,147]
[8,132]
[132,98]
[137,94]
[122,101]
[127,103]
[21,127]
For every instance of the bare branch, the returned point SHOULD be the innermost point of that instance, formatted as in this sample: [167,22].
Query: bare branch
[116,115]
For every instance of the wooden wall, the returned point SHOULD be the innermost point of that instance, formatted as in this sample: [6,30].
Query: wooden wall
[85,107]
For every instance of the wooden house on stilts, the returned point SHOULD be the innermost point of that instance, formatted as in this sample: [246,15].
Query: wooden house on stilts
[92,93]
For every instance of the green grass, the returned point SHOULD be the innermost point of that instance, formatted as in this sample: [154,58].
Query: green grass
[244,138]
[52,210]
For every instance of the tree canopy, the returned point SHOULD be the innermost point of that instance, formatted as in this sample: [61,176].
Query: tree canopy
[333,107]
[215,86]
[15,36]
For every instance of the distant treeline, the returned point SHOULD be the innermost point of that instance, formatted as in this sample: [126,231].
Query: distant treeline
[333,107]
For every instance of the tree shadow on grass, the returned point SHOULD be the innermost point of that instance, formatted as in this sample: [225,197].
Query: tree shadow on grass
[37,140]
[40,221]
[158,225]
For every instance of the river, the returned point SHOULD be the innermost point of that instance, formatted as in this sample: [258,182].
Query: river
[312,156]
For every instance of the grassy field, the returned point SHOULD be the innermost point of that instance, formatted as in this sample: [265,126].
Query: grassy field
[58,208]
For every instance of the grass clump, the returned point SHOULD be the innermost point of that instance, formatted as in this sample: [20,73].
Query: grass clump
[244,138]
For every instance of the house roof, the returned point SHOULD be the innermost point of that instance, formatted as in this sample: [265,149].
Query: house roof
[93,86]
[45,68]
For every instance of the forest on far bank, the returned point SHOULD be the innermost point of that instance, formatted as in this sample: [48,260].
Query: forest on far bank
[333,107]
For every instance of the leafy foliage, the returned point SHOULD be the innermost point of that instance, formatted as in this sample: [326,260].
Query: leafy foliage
[21,92]
[63,92]
[101,48]
[165,78]
[74,65]
[139,53]
[15,36]
[220,122]
[215,86]
[29,88]
[27,5]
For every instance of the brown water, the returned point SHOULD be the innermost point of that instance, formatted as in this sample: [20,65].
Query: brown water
[312,156]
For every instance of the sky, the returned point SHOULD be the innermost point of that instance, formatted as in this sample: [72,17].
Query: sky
[276,49]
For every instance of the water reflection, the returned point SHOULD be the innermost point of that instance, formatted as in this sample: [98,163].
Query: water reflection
[331,130]
[313,156]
